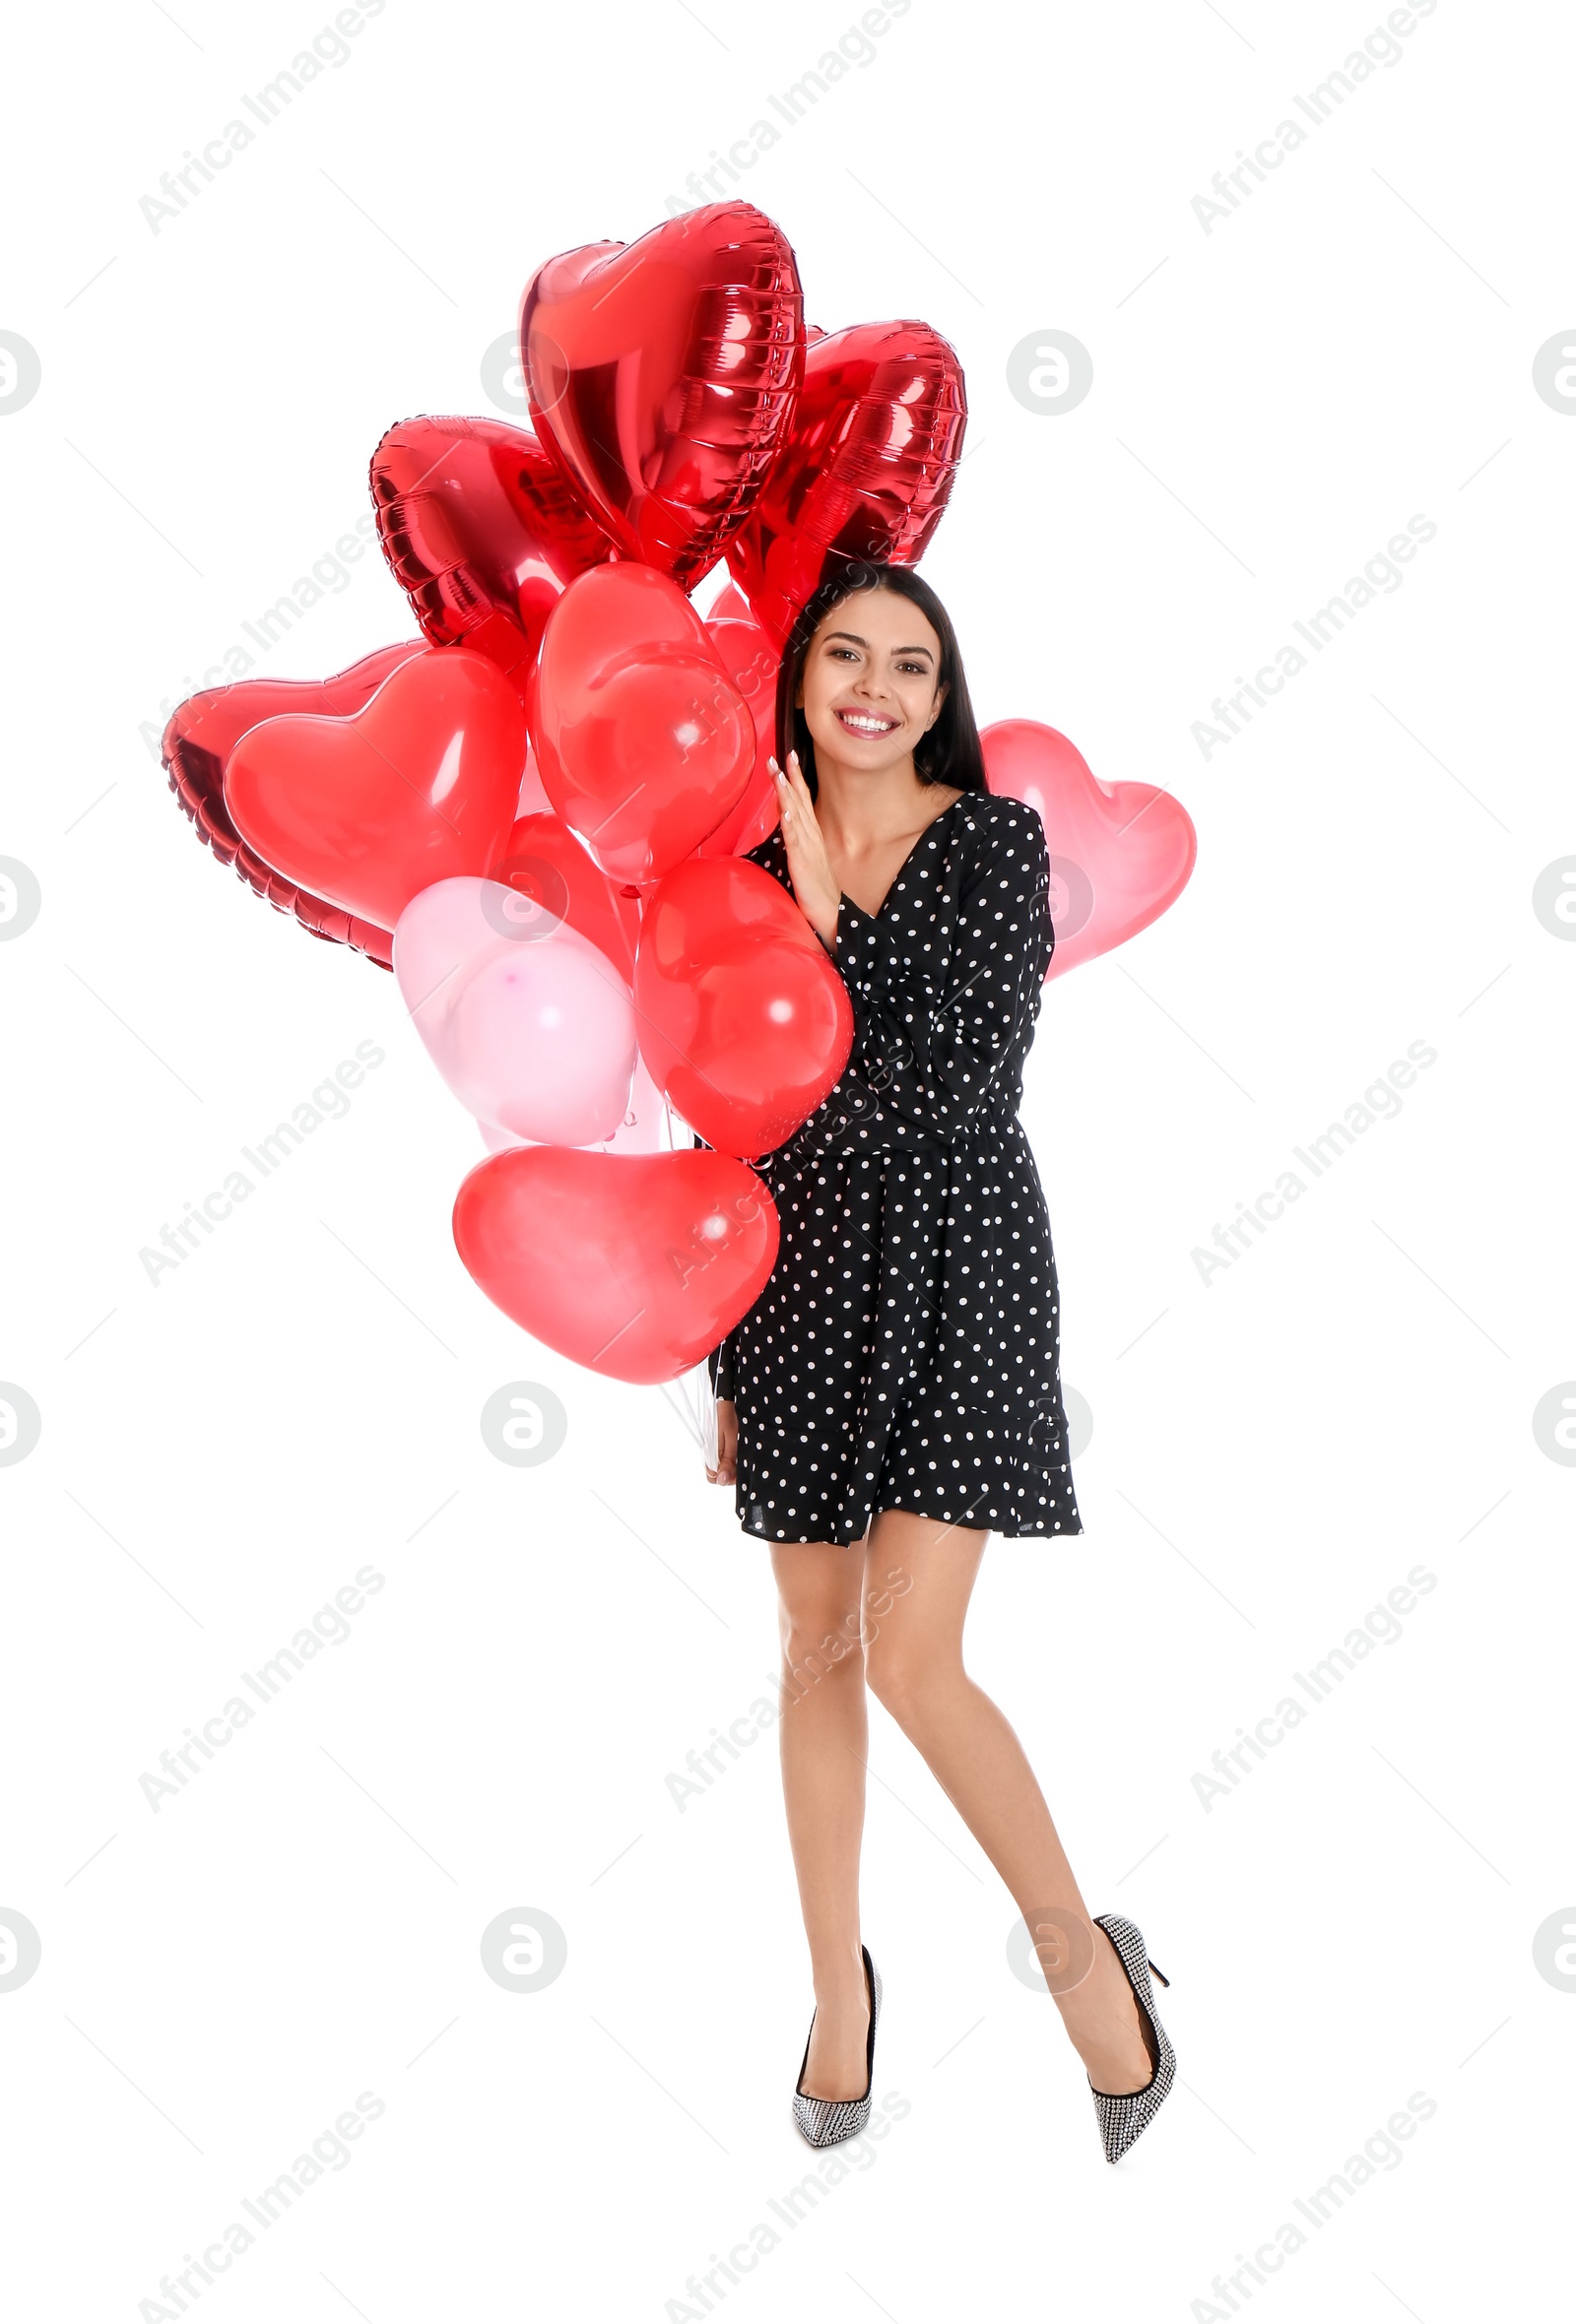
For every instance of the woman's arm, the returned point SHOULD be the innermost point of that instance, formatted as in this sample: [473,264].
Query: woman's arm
[726,1472]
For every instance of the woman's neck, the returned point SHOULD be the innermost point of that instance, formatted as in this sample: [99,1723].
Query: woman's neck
[858,811]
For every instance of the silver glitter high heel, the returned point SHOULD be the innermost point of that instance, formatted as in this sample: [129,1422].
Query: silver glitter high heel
[1124,2115]
[823,2121]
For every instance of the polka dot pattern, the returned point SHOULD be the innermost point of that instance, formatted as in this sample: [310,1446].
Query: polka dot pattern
[905,1351]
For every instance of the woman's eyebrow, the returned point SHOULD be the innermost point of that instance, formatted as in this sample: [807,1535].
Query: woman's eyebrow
[854,638]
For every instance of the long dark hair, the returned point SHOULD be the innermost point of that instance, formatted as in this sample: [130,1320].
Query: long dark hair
[950,752]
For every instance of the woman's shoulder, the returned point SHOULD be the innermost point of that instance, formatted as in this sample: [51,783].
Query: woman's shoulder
[994,810]
[1004,829]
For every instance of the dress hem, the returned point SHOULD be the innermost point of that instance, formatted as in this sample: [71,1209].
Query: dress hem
[932,1517]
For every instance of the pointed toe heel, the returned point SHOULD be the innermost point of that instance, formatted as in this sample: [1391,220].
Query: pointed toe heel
[1125,2115]
[822,2123]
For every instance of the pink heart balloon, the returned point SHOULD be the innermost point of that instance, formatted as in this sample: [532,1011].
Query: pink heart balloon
[1120,852]
[644,1128]
[529,1023]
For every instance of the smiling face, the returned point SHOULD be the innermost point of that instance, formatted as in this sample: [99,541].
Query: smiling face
[868,687]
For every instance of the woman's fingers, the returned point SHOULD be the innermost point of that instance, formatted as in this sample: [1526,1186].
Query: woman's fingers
[726,1470]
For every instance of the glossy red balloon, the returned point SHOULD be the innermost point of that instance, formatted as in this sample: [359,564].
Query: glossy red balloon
[200,737]
[634,1265]
[743,1020]
[752,661]
[419,786]
[545,861]
[662,375]
[643,740]
[1120,852]
[866,471]
[483,532]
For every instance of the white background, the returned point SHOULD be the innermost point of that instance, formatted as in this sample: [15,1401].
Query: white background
[1355,1922]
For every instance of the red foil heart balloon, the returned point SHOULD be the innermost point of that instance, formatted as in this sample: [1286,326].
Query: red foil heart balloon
[866,471]
[643,742]
[662,377]
[419,786]
[743,1021]
[200,737]
[634,1265]
[483,532]
[1120,852]
[542,860]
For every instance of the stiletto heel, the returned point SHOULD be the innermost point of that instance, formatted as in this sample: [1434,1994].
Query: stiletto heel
[825,2121]
[1123,2115]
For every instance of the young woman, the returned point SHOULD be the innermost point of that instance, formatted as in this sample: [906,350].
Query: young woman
[894,1393]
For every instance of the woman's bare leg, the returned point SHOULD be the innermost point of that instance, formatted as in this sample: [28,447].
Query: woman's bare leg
[914,1665]
[823,1738]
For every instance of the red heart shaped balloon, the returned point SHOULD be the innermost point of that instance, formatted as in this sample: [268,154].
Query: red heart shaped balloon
[643,740]
[867,470]
[421,785]
[752,661]
[743,1020]
[662,375]
[634,1265]
[483,532]
[1120,852]
[200,737]
[542,860]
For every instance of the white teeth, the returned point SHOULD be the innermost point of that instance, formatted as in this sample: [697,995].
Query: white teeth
[867,726]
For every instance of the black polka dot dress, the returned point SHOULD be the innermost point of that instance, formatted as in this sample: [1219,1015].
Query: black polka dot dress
[904,1353]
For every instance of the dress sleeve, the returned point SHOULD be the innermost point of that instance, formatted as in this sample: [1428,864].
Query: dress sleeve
[924,1062]
[722,1380]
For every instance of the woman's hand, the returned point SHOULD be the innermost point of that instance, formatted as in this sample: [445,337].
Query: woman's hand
[726,1469]
[817,893]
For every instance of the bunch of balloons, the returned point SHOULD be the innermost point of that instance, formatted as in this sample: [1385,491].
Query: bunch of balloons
[535,811]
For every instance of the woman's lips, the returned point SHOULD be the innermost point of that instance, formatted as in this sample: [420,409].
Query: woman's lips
[871,733]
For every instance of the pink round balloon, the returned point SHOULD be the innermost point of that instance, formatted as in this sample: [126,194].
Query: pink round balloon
[1120,852]
[529,1023]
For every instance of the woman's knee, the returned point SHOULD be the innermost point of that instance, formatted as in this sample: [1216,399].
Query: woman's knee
[820,1636]
[904,1674]
[817,1608]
